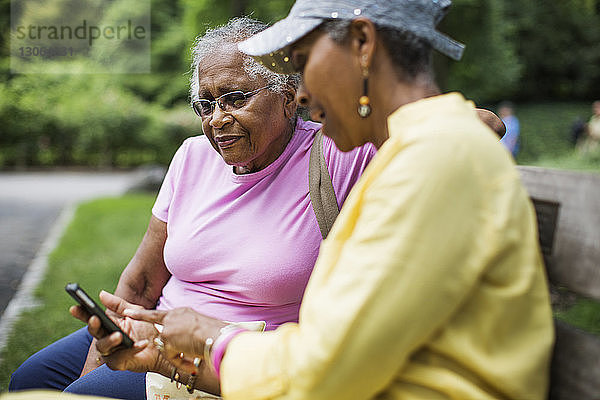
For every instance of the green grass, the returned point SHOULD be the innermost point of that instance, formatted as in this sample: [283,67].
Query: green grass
[546,132]
[95,248]
[584,314]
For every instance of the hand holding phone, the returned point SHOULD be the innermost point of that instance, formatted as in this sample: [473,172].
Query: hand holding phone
[93,308]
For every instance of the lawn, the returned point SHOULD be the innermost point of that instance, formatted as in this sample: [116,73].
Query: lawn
[93,251]
[546,136]
[585,313]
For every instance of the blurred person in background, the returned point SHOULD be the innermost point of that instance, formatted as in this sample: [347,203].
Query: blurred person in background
[577,131]
[430,284]
[511,139]
[592,141]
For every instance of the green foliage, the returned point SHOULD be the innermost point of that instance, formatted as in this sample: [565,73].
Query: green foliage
[559,47]
[4,29]
[195,12]
[124,55]
[524,50]
[96,247]
[110,120]
[516,49]
[82,120]
[169,39]
[490,68]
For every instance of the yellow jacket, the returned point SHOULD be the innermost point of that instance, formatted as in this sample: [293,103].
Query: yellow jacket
[429,286]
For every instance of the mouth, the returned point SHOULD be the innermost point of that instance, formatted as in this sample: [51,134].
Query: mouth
[226,141]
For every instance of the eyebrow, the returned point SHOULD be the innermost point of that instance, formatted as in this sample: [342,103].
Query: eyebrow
[221,91]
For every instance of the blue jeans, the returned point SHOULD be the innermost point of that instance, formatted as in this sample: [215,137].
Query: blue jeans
[59,365]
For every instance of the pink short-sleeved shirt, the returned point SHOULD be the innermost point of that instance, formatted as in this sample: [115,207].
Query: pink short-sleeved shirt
[242,247]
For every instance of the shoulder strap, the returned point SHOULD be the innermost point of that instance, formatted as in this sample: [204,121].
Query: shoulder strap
[322,194]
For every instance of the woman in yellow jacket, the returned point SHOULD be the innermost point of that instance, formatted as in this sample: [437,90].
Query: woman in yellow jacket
[430,284]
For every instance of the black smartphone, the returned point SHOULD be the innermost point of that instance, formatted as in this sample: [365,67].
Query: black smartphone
[93,308]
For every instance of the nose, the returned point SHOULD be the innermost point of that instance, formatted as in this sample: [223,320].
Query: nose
[219,118]
[316,114]
[304,100]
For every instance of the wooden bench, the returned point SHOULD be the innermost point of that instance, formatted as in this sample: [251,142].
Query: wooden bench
[568,209]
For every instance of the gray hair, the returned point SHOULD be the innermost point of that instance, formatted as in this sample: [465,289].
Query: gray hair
[410,54]
[237,30]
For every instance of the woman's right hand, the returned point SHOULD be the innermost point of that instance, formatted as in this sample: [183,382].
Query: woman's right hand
[184,332]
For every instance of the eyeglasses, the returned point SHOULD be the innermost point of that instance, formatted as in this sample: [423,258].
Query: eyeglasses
[227,102]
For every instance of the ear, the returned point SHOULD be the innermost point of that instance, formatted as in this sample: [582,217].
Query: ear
[363,39]
[289,102]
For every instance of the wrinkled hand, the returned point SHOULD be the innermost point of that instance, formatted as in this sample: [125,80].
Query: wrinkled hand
[141,357]
[184,331]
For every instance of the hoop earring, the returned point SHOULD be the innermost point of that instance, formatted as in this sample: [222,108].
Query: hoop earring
[364,103]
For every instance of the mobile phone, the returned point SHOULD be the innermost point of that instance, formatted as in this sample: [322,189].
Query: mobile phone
[93,308]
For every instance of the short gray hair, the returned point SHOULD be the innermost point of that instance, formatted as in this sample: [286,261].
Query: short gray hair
[237,30]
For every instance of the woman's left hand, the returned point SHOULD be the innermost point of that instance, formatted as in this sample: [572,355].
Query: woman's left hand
[183,335]
[141,357]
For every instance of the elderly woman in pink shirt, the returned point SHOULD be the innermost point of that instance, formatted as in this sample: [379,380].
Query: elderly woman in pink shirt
[232,234]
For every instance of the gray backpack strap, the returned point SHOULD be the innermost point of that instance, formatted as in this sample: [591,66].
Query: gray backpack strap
[322,195]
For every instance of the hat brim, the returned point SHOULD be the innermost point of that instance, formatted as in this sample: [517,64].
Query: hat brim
[271,46]
[446,45]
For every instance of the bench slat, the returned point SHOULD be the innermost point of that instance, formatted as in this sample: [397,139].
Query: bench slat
[572,255]
[575,373]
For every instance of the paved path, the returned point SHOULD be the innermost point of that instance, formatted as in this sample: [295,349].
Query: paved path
[30,204]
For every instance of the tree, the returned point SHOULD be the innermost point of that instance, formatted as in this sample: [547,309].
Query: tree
[559,47]
[490,68]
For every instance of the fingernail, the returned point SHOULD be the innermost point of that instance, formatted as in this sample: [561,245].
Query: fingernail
[141,343]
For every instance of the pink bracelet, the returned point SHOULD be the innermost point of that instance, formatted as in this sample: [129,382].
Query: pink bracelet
[220,345]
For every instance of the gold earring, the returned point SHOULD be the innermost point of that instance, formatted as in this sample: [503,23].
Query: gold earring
[364,103]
